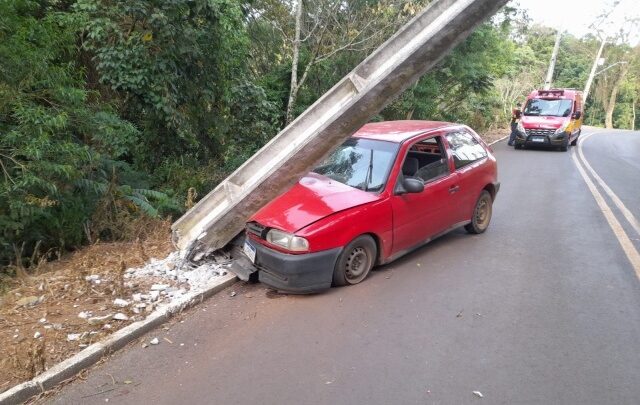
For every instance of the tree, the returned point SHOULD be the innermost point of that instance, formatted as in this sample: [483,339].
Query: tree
[60,146]
[170,66]
[613,96]
[318,31]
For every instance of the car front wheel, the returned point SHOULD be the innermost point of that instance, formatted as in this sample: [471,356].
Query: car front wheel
[355,262]
[565,146]
[481,214]
[575,141]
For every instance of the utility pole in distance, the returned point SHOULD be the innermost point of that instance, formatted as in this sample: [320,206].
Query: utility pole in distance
[552,62]
[592,75]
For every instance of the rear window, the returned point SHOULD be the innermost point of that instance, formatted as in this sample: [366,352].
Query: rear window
[465,148]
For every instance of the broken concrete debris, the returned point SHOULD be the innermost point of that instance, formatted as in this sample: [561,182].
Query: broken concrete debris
[97,320]
[120,317]
[119,302]
[174,268]
[154,341]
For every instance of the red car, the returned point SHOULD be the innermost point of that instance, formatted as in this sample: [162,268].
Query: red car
[387,190]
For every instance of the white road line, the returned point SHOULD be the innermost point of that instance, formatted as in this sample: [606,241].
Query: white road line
[627,214]
[618,231]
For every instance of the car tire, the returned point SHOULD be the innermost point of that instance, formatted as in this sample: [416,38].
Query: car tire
[355,262]
[565,146]
[481,214]
[518,146]
[575,141]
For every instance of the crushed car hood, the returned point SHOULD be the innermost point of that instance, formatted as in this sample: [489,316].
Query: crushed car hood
[311,199]
[544,122]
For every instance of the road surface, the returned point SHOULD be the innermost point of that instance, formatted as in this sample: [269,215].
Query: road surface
[542,309]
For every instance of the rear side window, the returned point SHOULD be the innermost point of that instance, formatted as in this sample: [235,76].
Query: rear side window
[465,148]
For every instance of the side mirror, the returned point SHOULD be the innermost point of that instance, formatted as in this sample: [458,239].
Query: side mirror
[413,185]
[577,115]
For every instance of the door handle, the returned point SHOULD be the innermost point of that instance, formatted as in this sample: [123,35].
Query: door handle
[454,189]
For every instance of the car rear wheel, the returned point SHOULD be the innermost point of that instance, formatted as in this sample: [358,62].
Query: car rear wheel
[481,214]
[355,262]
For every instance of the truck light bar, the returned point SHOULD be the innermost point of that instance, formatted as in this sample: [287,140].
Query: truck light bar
[551,93]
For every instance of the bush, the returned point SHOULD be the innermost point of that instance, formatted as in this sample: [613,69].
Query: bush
[60,146]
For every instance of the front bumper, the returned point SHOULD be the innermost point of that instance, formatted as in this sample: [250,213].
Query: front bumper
[523,139]
[301,274]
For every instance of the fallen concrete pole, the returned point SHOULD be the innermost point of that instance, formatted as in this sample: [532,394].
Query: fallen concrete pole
[394,66]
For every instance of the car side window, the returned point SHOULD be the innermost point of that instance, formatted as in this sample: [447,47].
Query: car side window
[465,148]
[431,158]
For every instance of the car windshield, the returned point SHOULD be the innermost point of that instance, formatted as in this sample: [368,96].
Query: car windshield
[360,163]
[552,108]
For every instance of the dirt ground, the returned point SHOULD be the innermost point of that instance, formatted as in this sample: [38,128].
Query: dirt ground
[39,314]
[494,134]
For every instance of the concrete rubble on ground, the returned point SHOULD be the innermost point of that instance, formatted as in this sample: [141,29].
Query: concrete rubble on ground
[172,277]
[176,271]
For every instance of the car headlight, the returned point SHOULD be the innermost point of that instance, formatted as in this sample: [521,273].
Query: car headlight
[287,241]
[521,128]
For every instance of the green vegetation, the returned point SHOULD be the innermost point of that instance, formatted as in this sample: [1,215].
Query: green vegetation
[110,111]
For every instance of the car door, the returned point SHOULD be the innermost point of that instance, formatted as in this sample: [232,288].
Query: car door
[468,154]
[418,217]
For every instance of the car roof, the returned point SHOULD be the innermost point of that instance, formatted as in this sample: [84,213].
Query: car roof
[399,131]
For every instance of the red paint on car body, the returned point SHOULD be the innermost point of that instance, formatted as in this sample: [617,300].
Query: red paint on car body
[312,198]
[330,214]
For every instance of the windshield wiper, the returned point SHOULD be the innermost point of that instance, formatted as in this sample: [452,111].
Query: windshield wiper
[369,172]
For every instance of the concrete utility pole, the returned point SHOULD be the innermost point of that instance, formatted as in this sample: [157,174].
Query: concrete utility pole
[552,62]
[587,87]
[394,66]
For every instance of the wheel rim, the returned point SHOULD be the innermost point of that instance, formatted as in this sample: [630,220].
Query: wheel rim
[357,265]
[483,213]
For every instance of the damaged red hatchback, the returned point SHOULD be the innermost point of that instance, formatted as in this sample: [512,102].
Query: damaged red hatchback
[389,189]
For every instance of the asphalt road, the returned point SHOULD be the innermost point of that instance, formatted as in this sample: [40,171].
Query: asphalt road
[542,309]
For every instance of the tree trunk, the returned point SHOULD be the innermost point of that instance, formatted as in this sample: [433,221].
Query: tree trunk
[294,86]
[633,110]
[611,105]
[410,114]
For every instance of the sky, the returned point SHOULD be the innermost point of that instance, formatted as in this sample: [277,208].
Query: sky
[575,16]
